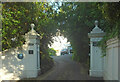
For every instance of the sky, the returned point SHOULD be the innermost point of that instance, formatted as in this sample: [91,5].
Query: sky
[59,43]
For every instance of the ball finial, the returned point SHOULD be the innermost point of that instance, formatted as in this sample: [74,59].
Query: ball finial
[96,22]
[32,26]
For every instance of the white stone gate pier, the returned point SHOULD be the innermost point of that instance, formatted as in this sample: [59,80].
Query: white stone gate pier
[96,59]
[33,53]
[24,61]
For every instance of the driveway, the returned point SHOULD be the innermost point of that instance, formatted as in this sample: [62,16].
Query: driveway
[66,69]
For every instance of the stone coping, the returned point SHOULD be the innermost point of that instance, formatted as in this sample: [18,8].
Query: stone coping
[113,41]
[96,35]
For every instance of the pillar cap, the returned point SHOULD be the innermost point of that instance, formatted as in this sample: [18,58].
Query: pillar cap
[32,31]
[96,31]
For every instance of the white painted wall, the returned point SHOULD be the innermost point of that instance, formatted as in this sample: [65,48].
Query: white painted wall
[11,63]
[111,60]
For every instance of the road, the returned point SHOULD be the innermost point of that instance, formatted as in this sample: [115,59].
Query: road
[66,69]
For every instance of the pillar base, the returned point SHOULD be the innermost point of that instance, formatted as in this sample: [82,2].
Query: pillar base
[30,74]
[96,73]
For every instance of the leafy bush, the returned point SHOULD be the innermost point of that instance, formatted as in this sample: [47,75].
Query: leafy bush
[51,52]
[46,63]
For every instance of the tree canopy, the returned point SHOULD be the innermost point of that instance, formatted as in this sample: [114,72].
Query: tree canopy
[17,18]
[74,20]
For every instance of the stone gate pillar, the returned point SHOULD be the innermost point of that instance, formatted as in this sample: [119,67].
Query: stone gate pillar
[32,57]
[96,60]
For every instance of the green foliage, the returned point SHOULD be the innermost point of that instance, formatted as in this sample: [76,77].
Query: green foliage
[76,21]
[16,20]
[46,63]
[111,12]
[51,52]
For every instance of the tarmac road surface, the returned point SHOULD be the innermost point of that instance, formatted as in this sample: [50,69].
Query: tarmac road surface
[66,69]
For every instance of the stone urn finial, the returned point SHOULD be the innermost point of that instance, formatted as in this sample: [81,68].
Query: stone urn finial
[96,23]
[32,26]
